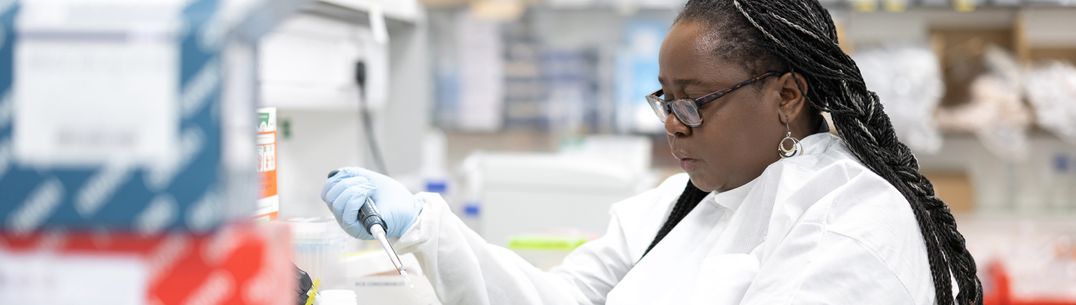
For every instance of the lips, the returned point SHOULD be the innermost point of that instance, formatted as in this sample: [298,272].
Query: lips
[689,164]
[686,161]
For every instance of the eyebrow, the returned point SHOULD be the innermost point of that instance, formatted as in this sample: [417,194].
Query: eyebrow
[682,82]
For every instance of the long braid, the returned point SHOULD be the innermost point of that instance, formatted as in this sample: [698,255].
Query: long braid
[684,204]
[801,34]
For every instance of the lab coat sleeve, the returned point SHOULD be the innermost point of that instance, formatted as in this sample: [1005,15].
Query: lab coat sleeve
[464,269]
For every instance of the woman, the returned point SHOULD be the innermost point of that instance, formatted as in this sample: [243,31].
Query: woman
[773,209]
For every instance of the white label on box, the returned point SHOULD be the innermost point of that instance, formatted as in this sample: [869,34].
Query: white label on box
[46,279]
[88,98]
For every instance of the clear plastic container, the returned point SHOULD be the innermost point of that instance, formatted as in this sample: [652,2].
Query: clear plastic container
[371,275]
[337,297]
[319,246]
[1061,183]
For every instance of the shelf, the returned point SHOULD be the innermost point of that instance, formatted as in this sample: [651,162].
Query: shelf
[889,6]
[406,11]
[964,6]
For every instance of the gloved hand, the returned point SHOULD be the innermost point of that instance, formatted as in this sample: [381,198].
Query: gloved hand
[347,190]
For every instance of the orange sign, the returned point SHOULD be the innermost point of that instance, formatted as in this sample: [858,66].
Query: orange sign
[268,200]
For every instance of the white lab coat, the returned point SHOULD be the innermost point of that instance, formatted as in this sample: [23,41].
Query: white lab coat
[819,228]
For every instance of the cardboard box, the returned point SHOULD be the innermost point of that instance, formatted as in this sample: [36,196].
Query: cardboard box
[955,188]
[138,119]
[240,264]
[960,52]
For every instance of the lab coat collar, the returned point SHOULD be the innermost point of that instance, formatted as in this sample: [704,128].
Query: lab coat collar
[817,143]
[731,199]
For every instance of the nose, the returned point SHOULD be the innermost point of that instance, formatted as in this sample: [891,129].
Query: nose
[675,128]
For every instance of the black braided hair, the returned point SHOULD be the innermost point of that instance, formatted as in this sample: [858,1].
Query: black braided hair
[764,34]
[687,202]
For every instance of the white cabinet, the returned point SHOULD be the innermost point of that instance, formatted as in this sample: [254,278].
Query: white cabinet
[308,63]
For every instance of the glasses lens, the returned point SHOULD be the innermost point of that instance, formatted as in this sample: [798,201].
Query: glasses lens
[658,106]
[687,112]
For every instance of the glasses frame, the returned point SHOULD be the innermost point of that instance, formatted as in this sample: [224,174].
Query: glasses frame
[662,107]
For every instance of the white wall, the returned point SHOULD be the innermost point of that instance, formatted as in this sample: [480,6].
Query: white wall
[320,141]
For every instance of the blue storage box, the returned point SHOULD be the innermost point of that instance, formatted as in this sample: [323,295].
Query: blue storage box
[129,116]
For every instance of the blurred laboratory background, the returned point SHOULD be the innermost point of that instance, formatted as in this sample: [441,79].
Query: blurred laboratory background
[158,152]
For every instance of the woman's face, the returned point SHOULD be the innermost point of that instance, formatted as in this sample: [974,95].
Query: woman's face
[740,131]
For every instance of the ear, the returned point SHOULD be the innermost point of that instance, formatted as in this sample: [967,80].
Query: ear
[792,88]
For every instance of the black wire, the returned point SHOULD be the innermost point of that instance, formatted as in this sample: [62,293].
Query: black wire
[367,122]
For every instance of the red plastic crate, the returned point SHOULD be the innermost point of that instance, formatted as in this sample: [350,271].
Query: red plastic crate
[239,264]
[1001,294]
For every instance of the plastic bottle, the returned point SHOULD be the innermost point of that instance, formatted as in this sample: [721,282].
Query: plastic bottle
[471,192]
[1061,183]
[433,164]
[472,216]
[437,185]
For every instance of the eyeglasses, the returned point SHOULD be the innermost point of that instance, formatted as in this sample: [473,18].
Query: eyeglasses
[687,110]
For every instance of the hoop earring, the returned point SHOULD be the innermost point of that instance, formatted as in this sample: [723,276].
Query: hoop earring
[795,147]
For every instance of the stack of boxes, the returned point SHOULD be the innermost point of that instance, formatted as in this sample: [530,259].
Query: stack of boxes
[127,154]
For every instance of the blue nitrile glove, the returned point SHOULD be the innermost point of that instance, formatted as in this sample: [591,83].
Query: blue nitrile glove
[347,190]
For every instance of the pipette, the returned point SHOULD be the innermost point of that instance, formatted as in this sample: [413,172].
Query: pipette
[371,220]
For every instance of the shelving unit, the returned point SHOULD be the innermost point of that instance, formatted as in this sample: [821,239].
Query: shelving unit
[1040,30]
